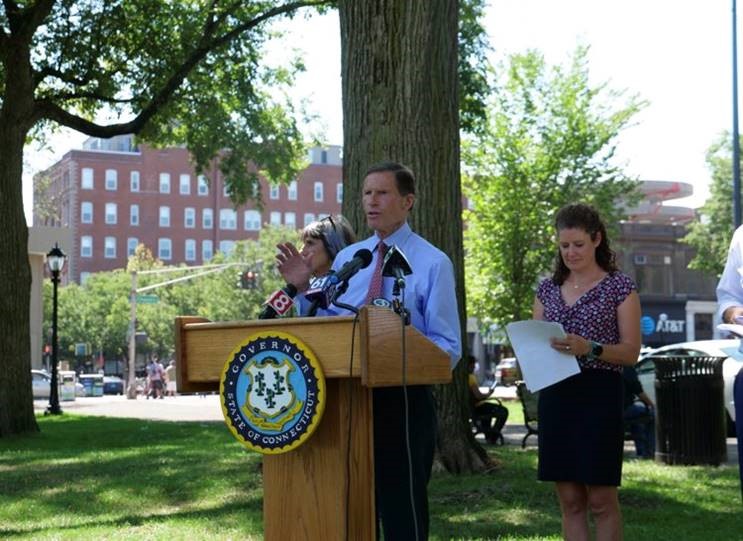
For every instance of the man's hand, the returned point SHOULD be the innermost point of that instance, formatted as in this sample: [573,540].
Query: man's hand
[294,268]
[731,314]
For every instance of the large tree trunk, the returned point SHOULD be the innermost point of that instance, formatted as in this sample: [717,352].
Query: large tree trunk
[400,102]
[16,401]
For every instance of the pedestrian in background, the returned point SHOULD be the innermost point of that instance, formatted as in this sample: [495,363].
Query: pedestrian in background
[170,378]
[155,374]
[581,430]
[489,415]
[639,414]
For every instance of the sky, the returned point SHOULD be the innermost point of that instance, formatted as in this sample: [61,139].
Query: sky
[676,54]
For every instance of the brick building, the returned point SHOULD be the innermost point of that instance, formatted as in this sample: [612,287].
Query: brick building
[114,195]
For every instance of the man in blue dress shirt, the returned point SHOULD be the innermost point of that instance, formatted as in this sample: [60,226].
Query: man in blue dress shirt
[429,295]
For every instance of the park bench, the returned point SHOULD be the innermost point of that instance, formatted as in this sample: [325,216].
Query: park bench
[529,402]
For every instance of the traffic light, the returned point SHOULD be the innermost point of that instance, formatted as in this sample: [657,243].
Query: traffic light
[248,279]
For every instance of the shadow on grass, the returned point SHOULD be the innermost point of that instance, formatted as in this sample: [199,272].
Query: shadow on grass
[658,502]
[104,471]
[94,477]
[211,514]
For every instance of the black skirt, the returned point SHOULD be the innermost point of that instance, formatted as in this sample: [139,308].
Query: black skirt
[581,434]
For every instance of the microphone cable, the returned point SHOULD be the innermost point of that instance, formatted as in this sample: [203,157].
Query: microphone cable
[407,412]
[350,426]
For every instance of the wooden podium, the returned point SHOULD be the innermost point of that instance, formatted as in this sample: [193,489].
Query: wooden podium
[306,490]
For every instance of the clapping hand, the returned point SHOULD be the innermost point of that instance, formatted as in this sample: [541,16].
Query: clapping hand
[293,266]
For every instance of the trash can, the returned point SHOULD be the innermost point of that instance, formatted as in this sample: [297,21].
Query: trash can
[66,381]
[690,424]
[93,384]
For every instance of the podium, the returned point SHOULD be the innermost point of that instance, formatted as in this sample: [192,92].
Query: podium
[325,485]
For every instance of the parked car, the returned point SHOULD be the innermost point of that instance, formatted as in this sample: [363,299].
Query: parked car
[42,383]
[716,348]
[113,385]
[507,371]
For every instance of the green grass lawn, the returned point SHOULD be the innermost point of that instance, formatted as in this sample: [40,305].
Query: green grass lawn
[95,478]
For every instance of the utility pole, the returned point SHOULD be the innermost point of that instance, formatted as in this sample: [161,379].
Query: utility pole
[131,382]
[736,143]
[131,390]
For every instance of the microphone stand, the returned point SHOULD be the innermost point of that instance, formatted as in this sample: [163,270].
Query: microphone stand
[398,305]
[340,290]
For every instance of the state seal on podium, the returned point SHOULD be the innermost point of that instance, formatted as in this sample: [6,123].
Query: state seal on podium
[272,392]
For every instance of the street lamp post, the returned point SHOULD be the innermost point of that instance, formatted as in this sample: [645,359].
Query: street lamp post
[55,259]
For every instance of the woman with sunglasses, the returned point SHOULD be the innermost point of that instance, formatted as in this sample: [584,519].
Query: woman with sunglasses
[321,242]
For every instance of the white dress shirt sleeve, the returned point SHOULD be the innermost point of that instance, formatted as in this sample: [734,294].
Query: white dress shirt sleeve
[730,287]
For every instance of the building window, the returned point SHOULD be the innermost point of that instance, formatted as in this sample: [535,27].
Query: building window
[185,184]
[109,247]
[324,156]
[275,218]
[207,250]
[207,218]
[227,219]
[133,214]
[252,220]
[86,246]
[86,179]
[134,181]
[226,246]
[291,191]
[190,249]
[131,245]
[164,249]
[111,213]
[339,192]
[164,216]
[164,182]
[290,219]
[274,192]
[112,179]
[189,218]
[318,191]
[203,187]
[84,277]
[225,189]
[86,212]
[308,218]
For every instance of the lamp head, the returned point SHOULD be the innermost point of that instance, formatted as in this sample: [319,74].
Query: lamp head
[56,258]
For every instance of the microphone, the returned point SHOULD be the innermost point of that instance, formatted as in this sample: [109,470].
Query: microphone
[395,264]
[360,260]
[320,292]
[279,302]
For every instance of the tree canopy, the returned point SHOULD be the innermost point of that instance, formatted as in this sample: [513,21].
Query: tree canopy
[711,231]
[549,141]
[97,312]
[189,73]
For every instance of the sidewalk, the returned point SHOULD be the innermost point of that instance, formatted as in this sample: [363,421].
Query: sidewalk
[206,408]
[170,408]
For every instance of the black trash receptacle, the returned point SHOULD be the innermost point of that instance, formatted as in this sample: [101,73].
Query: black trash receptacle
[690,423]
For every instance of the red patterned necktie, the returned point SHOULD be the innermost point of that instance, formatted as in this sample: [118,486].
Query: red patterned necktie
[375,286]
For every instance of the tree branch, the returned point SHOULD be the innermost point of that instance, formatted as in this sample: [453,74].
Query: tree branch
[54,72]
[25,21]
[90,95]
[45,109]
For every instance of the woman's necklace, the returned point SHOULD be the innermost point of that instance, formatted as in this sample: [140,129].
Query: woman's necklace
[587,283]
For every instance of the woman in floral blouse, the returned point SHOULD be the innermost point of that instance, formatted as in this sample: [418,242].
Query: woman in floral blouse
[580,418]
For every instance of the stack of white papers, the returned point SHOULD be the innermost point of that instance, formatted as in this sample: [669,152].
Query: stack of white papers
[733,328]
[541,364]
